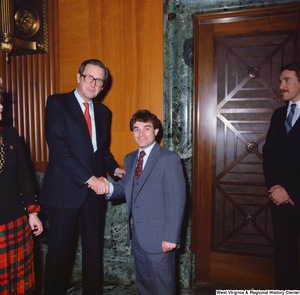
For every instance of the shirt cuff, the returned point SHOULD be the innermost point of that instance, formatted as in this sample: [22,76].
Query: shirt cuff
[88,180]
[111,190]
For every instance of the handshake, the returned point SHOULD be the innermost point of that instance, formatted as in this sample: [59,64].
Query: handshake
[99,185]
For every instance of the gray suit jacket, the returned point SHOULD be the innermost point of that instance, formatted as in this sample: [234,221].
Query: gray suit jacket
[159,202]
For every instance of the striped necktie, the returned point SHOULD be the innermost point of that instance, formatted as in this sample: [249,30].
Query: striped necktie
[289,119]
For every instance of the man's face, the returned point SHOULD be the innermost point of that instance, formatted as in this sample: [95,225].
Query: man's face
[88,91]
[144,134]
[289,86]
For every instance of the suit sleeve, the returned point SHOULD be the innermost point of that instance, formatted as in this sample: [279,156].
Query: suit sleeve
[119,188]
[175,198]
[56,135]
[269,154]
[24,177]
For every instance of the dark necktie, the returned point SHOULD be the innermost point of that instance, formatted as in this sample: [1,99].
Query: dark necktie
[289,119]
[87,117]
[139,167]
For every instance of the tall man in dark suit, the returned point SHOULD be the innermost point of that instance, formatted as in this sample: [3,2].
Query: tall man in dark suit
[281,154]
[78,135]
[155,194]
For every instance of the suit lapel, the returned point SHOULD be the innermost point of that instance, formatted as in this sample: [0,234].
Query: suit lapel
[98,124]
[296,126]
[131,171]
[294,129]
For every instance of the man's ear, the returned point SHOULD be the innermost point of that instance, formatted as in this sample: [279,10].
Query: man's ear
[156,131]
[78,78]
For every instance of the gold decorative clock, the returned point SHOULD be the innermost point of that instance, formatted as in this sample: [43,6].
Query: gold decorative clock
[27,22]
[30,26]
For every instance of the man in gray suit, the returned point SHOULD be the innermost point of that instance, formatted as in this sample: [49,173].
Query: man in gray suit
[156,201]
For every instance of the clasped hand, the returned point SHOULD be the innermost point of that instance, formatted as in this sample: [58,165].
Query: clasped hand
[279,196]
[99,185]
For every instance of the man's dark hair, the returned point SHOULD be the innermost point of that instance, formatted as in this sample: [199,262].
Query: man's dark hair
[144,116]
[294,66]
[94,62]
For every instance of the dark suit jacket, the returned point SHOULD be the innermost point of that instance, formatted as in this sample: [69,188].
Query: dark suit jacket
[281,154]
[159,203]
[72,160]
[15,179]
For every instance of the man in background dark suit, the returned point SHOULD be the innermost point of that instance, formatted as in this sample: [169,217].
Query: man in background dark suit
[77,131]
[155,193]
[281,154]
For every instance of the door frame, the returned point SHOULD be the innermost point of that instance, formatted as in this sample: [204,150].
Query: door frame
[206,26]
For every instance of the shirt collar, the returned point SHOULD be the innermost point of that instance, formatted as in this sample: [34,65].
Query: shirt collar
[81,101]
[147,150]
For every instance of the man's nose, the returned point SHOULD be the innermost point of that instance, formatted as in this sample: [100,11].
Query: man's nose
[281,85]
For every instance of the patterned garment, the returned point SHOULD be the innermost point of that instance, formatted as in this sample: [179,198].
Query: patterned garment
[16,258]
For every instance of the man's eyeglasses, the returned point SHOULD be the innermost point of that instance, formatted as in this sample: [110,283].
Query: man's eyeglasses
[89,79]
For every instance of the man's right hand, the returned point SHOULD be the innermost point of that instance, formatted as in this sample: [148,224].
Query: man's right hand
[99,185]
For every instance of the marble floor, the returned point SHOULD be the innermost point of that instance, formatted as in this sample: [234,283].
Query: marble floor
[121,289]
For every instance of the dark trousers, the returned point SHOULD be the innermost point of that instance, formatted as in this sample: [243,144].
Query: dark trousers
[286,225]
[155,273]
[64,228]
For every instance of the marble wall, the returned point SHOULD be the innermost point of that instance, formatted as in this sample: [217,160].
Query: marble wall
[178,135]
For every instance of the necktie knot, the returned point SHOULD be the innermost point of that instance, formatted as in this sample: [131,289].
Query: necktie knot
[289,118]
[142,155]
[293,106]
[139,167]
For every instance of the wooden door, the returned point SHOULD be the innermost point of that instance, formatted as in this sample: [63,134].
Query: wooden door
[238,56]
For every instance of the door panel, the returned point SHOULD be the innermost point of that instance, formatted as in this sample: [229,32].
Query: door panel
[247,92]
[236,92]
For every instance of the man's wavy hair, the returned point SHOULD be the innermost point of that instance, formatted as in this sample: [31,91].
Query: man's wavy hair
[294,66]
[144,116]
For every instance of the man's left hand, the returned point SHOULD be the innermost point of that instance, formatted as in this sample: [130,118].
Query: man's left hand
[119,172]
